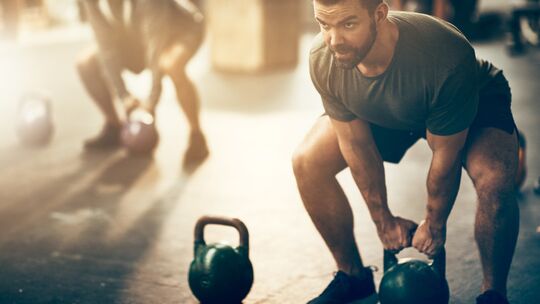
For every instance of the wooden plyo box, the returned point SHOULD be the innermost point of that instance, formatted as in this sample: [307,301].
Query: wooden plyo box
[253,35]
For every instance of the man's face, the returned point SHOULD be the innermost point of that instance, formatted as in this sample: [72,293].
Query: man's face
[348,30]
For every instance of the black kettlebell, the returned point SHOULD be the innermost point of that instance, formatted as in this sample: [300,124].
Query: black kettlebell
[412,281]
[220,273]
[139,134]
[34,125]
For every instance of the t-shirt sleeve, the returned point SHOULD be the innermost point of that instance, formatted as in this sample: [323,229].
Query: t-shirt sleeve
[456,101]
[320,76]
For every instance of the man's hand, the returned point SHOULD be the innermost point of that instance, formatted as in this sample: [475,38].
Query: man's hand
[148,108]
[428,239]
[396,233]
[130,103]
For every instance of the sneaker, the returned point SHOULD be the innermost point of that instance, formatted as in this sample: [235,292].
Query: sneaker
[109,137]
[346,289]
[491,297]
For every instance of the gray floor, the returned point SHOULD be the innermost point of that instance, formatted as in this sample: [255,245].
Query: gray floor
[107,228]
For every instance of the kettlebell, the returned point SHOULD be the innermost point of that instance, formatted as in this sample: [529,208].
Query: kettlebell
[139,134]
[413,281]
[220,273]
[34,126]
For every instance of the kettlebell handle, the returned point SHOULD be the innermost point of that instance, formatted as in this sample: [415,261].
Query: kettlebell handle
[34,95]
[225,221]
[438,264]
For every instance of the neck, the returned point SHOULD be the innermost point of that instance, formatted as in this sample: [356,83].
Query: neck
[379,57]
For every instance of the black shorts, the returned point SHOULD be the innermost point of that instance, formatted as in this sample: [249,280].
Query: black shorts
[493,112]
[132,50]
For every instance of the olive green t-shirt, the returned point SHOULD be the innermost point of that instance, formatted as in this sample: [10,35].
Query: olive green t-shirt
[432,82]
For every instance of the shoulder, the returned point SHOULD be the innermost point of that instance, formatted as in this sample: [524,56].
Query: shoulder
[320,59]
[437,41]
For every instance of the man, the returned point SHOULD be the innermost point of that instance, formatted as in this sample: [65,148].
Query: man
[161,35]
[387,80]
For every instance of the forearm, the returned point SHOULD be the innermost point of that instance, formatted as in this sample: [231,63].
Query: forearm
[442,187]
[367,170]
[155,92]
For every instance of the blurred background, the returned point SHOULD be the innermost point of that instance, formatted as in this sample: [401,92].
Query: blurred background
[111,227]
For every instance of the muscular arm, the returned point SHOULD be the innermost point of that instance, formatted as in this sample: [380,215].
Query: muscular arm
[362,156]
[157,76]
[444,176]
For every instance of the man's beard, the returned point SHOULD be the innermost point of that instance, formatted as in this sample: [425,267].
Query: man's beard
[359,54]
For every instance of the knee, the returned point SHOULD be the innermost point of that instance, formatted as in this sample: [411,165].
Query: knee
[496,193]
[303,163]
[299,161]
[87,65]
[173,61]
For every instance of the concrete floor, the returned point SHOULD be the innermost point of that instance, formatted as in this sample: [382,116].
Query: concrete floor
[108,228]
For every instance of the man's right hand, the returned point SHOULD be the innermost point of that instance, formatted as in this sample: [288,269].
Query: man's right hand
[130,103]
[396,233]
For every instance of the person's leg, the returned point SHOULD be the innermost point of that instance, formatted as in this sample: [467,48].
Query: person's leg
[491,162]
[173,63]
[316,163]
[91,75]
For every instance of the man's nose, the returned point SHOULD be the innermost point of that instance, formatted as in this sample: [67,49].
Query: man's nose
[336,38]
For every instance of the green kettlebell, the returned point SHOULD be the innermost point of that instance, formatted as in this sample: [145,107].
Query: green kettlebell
[409,281]
[220,273]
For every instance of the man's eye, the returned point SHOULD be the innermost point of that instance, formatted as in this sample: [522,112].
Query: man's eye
[349,25]
[324,26]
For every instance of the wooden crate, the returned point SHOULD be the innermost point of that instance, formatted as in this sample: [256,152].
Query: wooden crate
[253,35]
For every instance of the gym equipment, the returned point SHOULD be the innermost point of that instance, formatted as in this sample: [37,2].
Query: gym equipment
[34,125]
[139,134]
[412,281]
[220,273]
[522,164]
[524,26]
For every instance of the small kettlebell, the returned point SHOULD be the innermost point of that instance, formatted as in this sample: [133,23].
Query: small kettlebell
[408,281]
[139,134]
[34,125]
[220,273]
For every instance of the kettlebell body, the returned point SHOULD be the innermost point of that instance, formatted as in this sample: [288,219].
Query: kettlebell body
[409,281]
[220,273]
[34,126]
[139,134]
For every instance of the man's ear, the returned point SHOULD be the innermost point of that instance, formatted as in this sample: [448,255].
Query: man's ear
[381,12]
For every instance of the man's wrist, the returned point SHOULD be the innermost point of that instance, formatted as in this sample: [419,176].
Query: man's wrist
[381,216]
[435,224]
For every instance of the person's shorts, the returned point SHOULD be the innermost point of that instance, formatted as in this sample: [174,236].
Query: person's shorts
[493,112]
[132,51]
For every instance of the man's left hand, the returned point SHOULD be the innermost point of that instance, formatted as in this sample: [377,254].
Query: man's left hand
[147,106]
[428,239]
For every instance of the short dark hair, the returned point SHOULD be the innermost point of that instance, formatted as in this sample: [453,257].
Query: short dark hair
[370,5]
